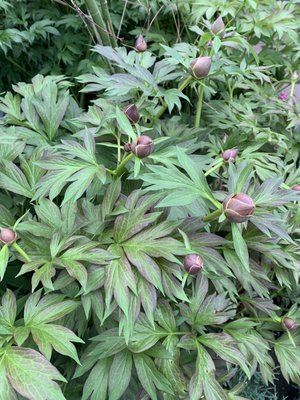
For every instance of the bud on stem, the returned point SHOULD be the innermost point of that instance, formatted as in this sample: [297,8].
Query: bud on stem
[140,44]
[7,236]
[230,155]
[289,324]
[218,27]
[200,67]
[132,113]
[239,207]
[143,147]
[193,264]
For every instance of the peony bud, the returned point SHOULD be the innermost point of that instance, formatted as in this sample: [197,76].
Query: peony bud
[143,146]
[238,207]
[127,147]
[7,236]
[289,324]
[218,26]
[200,67]
[140,44]
[193,264]
[230,154]
[296,188]
[132,113]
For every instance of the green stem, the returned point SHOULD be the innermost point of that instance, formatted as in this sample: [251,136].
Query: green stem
[122,166]
[21,252]
[184,84]
[96,14]
[211,170]
[107,18]
[263,319]
[293,84]
[199,106]
[215,214]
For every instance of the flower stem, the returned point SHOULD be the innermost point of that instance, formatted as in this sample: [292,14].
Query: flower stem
[215,214]
[199,106]
[211,170]
[184,84]
[121,167]
[21,252]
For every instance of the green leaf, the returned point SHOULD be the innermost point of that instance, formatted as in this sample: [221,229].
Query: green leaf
[120,368]
[26,369]
[6,390]
[225,347]
[48,336]
[4,256]
[95,387]
[240,245]
[289,357]
[124,124]
[13,179]
[203,381]
[150,377]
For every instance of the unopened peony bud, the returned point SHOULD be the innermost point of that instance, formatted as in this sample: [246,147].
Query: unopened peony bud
[296,188]
[289,324]
[239,207]
[140,44]
[132,113]
[218,27]
[230,154]
[193,264]
[143,146]
[127,147]
[7,236]
[200,67]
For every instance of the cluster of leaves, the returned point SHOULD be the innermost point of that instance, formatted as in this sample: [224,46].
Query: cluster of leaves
[96,303]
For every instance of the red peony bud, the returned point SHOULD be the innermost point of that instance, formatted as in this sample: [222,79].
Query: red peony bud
[296,188]
[230,154]
[289,324]
[200,67]
[7,236]
[140,44]
[127,147]
[193,264]
[132,113]
[143,146]
[218,27]
[239,207]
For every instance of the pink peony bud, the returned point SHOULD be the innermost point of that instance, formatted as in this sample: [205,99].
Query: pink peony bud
[296,188]
[218,27]
[143,146]
[239,207]
[7,236]
[230,154]
[289,324]
[200,67]
[140,44]
[132,113]
[193,264]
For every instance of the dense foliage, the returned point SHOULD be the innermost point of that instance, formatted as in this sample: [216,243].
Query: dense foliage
[149,241]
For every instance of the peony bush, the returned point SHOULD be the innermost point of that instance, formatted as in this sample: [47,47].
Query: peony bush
[150,241]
